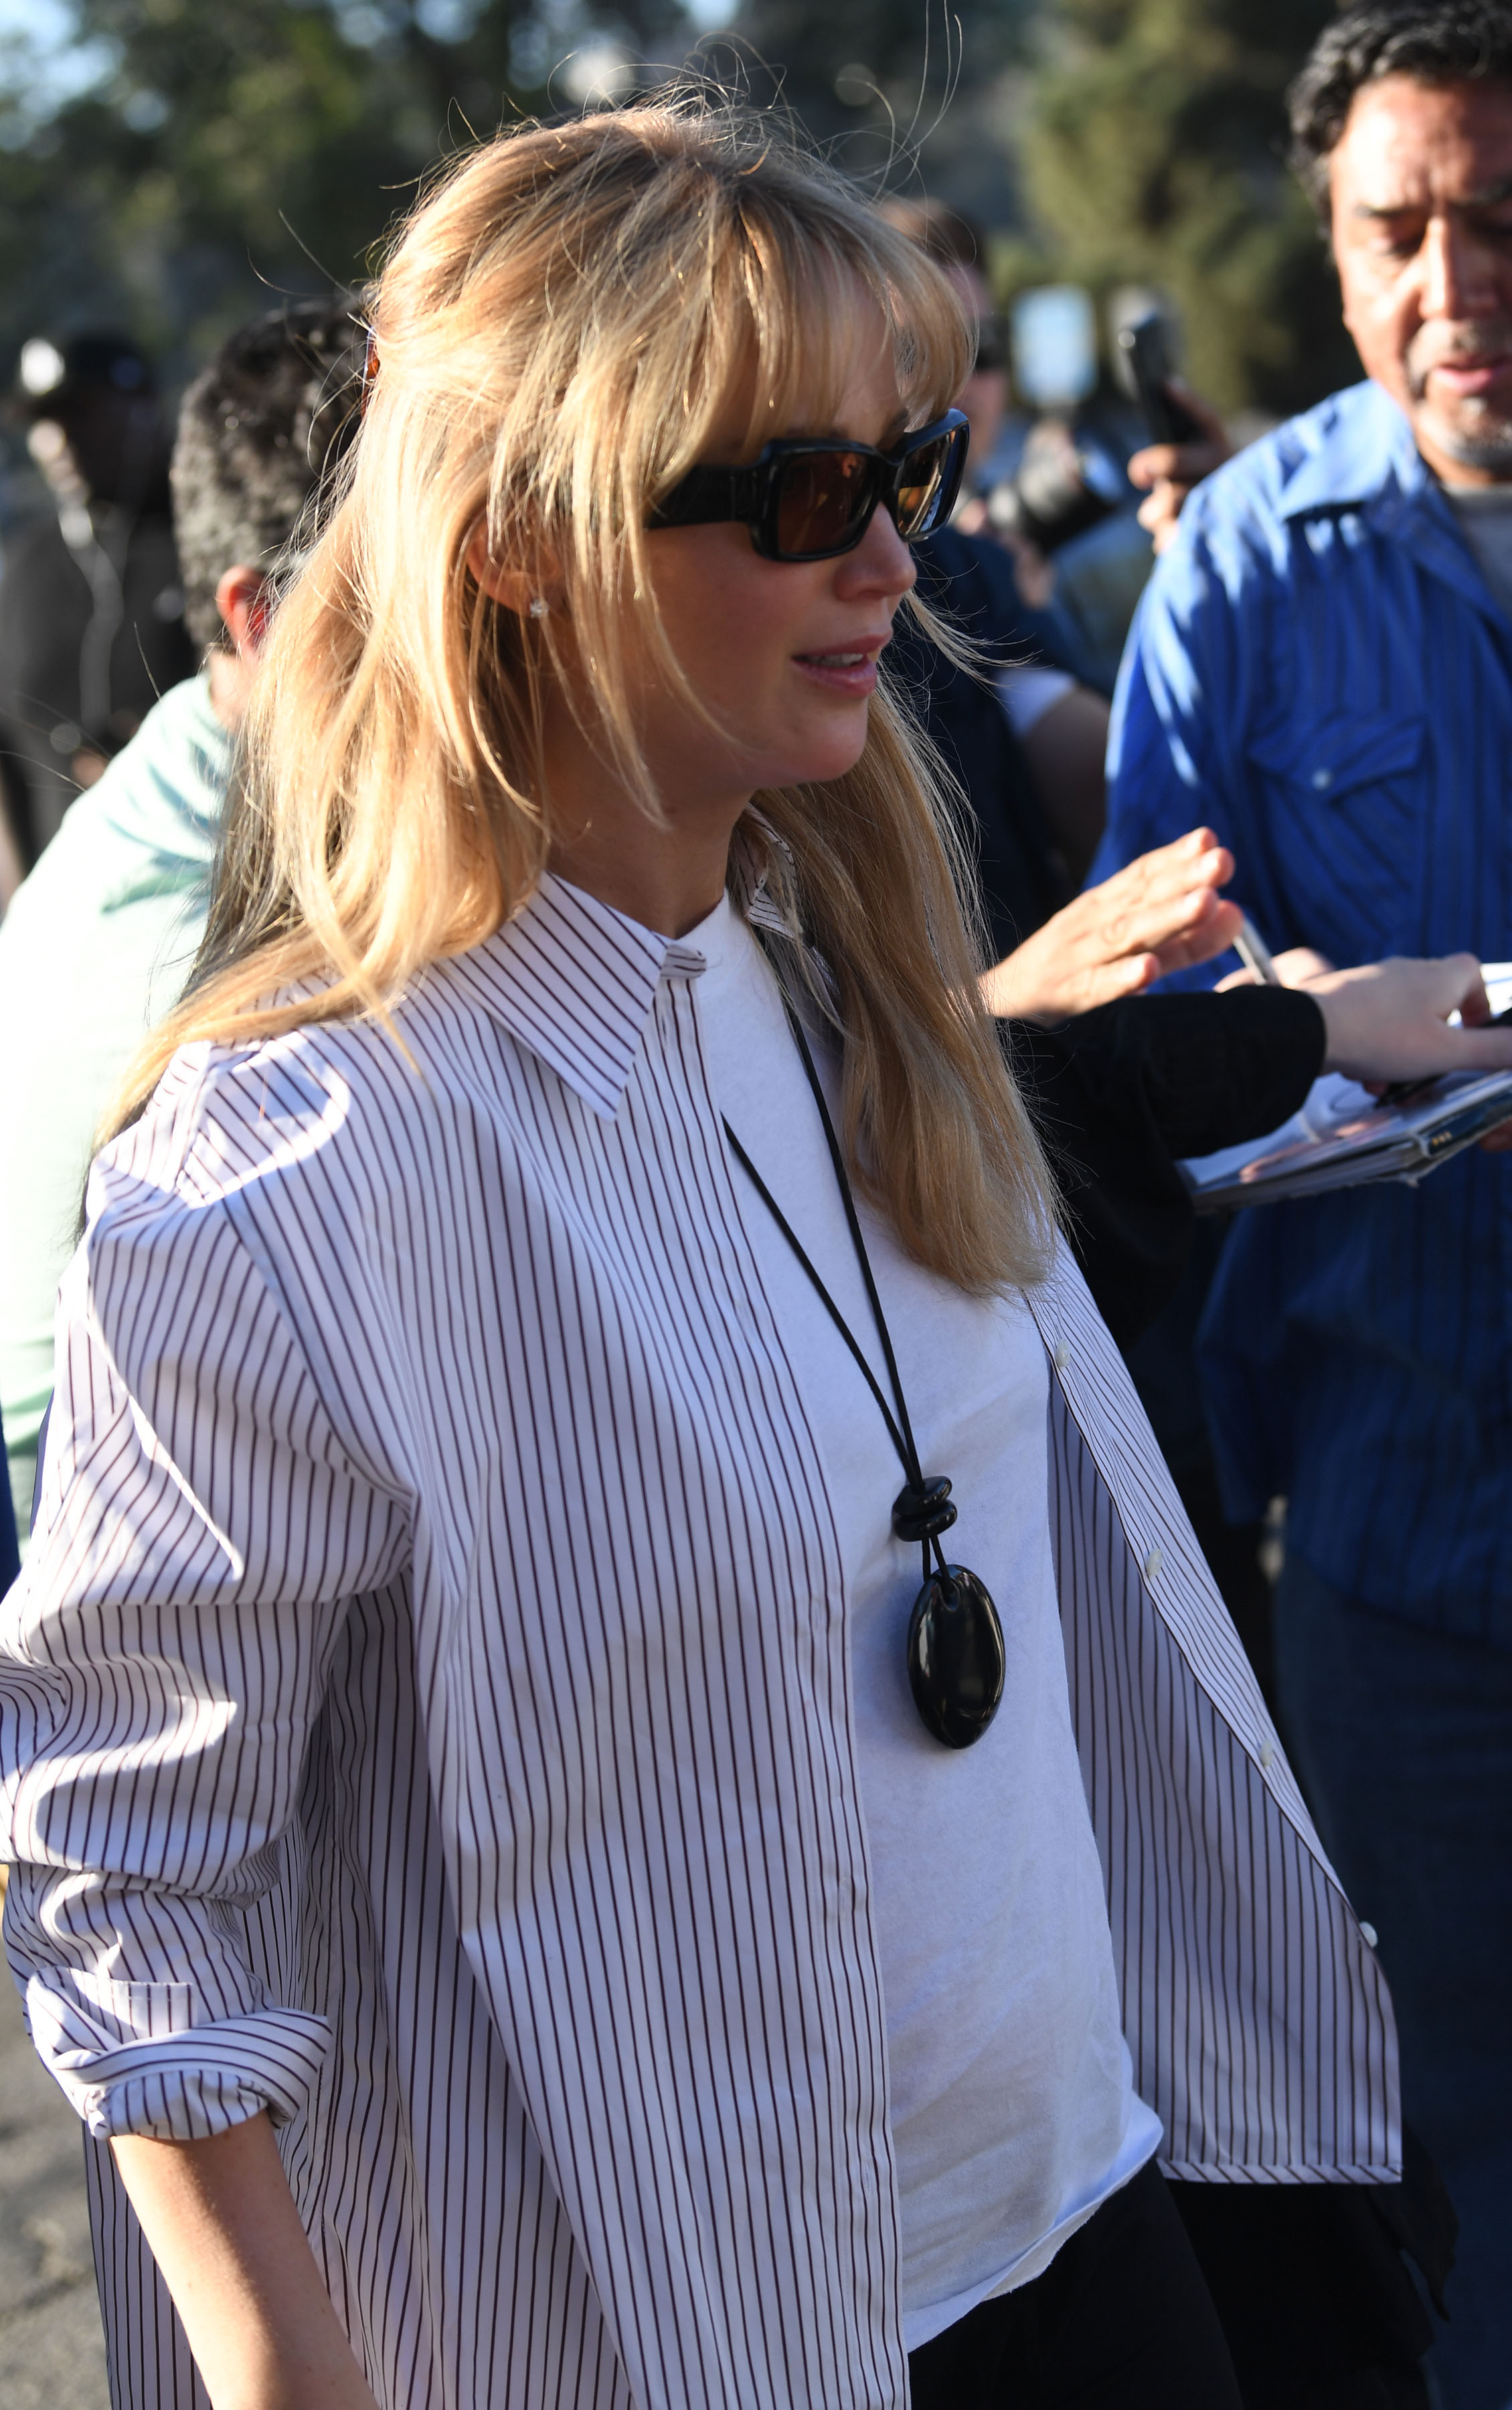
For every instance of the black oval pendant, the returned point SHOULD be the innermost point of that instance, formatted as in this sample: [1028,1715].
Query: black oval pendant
[956,1664]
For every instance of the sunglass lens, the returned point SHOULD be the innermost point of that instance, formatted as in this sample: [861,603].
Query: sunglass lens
[823,503]
[922,484]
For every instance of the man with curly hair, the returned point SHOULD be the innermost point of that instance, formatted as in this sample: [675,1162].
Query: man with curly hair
[1322,671]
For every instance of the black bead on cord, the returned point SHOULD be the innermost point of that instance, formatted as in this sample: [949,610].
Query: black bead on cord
[955,1655]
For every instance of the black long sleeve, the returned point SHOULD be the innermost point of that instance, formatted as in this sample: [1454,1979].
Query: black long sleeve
[1121,1093]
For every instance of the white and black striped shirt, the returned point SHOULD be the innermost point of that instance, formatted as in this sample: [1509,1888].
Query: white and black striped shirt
[427,1711]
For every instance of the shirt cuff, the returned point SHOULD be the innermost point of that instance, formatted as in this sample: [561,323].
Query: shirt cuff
[185,2086]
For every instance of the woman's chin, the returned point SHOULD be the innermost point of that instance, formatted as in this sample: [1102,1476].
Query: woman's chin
[833,751]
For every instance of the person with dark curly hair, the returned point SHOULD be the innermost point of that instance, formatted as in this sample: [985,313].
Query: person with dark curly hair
[1322,672]
[99,938]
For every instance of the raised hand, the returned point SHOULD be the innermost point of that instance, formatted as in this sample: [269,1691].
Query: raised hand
[1160,914]
[1172,469]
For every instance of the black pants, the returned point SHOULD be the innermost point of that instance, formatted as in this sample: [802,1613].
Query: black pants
[1120,2320]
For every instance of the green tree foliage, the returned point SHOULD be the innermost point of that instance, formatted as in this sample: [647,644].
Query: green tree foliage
[1154,154]
[882,60]
[231,151]
[220,153]
[900,92]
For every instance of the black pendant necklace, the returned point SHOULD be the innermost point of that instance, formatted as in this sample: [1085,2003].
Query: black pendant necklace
[955,1657]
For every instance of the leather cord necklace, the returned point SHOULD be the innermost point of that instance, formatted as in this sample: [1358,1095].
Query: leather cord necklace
[955,1655]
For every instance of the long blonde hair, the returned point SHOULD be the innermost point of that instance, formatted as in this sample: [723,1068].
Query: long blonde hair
[560,326]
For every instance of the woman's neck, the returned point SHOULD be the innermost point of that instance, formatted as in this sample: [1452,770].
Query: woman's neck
[652,875]
[668,874]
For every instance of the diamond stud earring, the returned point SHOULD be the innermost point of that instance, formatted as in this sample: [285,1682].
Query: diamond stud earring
[538,606]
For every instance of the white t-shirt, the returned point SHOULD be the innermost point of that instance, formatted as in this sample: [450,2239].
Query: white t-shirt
[1485,516]
[1027,690]
[1012,2106]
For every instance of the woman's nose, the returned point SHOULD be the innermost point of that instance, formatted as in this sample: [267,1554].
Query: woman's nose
[881,562]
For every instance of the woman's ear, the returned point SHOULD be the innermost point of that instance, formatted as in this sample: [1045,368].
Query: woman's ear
[528,598]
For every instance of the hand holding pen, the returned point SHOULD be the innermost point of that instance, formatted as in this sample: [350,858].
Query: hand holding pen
[1390,1021]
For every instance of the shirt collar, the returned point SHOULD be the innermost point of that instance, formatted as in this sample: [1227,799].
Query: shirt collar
[1363,457]
[1364,453]
[575,981]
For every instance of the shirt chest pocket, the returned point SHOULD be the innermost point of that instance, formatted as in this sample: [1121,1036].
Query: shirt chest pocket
[1346,810]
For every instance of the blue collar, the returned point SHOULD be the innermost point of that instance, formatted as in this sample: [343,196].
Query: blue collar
[1364,453]
[1361,458]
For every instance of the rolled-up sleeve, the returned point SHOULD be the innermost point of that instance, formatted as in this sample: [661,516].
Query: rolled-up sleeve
[162,1660]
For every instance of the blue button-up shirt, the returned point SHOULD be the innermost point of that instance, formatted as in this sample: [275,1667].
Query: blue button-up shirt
[1318,671]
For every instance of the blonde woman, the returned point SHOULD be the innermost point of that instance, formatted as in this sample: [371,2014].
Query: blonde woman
[545,1881]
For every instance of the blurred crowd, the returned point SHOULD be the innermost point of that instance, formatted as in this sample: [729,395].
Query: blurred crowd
[1276,678]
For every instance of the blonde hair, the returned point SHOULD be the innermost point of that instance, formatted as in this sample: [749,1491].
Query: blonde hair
[561,325]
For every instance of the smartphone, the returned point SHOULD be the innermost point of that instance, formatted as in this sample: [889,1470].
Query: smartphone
[1147,361]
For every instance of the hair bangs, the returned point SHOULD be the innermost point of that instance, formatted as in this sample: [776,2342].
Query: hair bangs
[781,339]
[571,318]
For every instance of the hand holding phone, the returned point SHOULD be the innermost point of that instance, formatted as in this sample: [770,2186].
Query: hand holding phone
[1147,360]
[1190,439]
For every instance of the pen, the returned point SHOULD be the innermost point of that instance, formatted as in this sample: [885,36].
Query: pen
[1254,953]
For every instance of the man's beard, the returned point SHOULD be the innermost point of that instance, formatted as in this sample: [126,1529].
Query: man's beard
[1471,431]
[1486,446]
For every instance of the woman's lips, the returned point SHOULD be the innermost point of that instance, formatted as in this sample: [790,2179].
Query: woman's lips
[845,672]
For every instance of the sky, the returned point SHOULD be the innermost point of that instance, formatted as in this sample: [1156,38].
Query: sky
[64,65]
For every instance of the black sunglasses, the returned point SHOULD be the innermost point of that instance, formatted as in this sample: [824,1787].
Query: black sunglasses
[812,501]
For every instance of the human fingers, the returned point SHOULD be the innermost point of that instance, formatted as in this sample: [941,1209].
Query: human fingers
[1160,514]
[1150,925]
[1453,983]
[1175,901]
[1461,976]
[1497,1141]
[1057,973]
[1176,464]
[1106,982]
[1213,933]
[1487,1049]
[1156,461]
[1389,1021]
[1195,859]
[1107,942]
[1296,964]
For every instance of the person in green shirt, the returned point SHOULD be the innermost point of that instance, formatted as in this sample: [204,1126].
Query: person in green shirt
[98,941]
